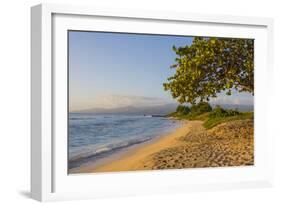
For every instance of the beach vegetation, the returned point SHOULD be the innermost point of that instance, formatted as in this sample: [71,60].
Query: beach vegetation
[200,108]
[182,109]
[218,111]
[213,121]
[211,117]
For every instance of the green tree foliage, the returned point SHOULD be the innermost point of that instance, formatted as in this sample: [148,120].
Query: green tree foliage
[184,110]
[212,65]
[200,108]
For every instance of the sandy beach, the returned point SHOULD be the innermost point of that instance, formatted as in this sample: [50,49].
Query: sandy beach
[190,146]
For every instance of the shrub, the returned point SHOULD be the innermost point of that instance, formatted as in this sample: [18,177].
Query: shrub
[184,110]
[180,108]
[200,108]
[220,112]
[232,112]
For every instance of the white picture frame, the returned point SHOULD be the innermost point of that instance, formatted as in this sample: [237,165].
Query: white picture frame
[49,178]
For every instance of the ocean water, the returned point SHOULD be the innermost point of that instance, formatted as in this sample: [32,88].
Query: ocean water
[93,136]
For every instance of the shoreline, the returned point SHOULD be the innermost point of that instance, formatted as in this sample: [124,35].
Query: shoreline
[189,146]
[137,156]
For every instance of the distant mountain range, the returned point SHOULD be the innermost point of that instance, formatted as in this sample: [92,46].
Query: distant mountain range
[154,110]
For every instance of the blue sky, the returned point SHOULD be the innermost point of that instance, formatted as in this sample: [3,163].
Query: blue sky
[112,70]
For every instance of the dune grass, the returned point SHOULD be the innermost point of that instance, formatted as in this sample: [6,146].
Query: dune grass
[211,122]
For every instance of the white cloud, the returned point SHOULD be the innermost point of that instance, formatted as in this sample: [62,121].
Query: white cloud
[241,99]
[115,101]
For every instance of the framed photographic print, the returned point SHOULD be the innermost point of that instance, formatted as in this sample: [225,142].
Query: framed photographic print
[134,102]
